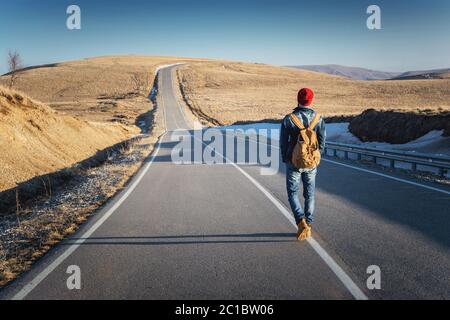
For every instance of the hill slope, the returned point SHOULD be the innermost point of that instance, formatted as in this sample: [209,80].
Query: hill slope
[350,72]
[430,74]
[35,140]
[101,89]
[356,73]
[230,92]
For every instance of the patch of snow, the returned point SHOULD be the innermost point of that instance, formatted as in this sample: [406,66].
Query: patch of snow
[431,143]
[338,132]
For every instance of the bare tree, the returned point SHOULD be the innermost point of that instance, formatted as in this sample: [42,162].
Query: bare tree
[140,83]
[137,83]
[14,64]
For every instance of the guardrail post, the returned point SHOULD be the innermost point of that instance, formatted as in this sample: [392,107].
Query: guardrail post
[359,156]
[442,172]
[334,153]
[392,164]
[346,155]
[414,167]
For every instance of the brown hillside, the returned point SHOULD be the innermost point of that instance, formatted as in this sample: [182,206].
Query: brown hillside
[101,89]
[229,92]
[35,140]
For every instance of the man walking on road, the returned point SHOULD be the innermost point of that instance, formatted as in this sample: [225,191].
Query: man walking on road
[302,141]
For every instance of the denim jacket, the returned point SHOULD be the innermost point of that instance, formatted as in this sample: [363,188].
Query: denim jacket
[289,131]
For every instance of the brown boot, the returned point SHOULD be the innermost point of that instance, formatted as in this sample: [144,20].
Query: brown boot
[304,230]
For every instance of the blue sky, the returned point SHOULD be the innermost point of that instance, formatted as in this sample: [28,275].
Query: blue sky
[415,34]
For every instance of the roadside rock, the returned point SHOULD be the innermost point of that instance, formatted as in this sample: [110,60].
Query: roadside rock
[396,126]
[339,119]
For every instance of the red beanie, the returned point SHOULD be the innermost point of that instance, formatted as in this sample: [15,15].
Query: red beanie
[305,97]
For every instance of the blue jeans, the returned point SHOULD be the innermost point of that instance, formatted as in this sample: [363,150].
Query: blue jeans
[308,179]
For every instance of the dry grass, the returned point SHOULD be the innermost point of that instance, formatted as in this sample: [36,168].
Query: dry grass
[36,140]
[108,92]
[229,92]
[45,223]
[97,89]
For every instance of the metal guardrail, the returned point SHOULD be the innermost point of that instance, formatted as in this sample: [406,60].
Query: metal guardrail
[442,163]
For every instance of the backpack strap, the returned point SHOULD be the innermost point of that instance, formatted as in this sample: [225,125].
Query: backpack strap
[300,125]
[297,122]
[315,121]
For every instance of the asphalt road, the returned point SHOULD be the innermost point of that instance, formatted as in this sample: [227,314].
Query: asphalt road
[200,231]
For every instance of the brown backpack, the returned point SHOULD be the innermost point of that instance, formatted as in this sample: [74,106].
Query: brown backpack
[306,154]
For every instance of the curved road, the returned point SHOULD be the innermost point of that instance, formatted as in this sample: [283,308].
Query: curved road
[198,231]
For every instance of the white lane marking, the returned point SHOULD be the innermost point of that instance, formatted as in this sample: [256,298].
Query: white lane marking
[370,171]
[182,114]
[339,272]
[51,267]
[173,118]
[351,286]
[180,109]
[388,176]
[356,292]
[177,126]
[194,122]
[163,107]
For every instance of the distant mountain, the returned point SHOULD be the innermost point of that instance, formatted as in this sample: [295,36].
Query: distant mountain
[426,74]
[356,73]
[350,72]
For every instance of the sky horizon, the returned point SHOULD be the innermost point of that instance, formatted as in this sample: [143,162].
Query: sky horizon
[414,34]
